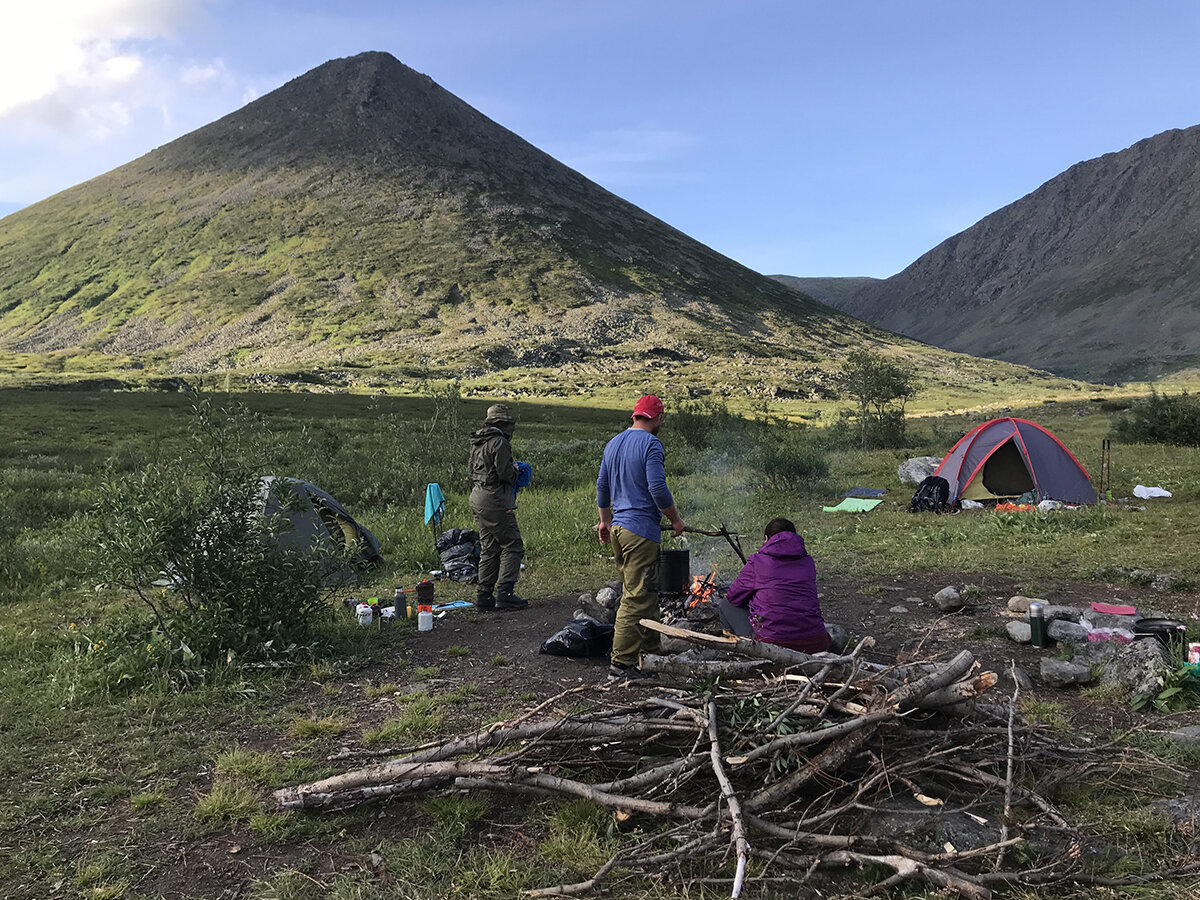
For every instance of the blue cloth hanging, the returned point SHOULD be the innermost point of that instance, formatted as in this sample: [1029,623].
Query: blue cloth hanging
[435,504]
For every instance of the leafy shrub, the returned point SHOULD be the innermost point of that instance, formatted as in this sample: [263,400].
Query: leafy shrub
[790,459]
[700,421]
[1162,419]
[186,536]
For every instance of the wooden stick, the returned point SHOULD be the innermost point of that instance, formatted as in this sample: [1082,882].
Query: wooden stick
[731,800]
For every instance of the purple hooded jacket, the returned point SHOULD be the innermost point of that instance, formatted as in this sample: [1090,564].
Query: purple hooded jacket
[779,583]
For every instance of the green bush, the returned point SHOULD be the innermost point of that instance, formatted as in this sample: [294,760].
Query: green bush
[790,459]
[1162,419]
[700,422]
[186,536]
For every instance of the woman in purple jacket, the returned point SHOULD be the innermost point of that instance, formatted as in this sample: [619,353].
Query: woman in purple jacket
[774,597]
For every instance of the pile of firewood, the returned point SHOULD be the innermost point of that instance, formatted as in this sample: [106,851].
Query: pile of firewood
[770,767]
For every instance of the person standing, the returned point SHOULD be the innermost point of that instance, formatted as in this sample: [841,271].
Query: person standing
[632,497]
[493,504]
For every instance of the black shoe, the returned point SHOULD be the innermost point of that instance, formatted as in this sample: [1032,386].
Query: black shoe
[485,601]
[506,599]
[628,673]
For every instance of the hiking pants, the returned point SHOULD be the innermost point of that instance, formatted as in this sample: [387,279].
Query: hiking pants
[637,561]
[501,547]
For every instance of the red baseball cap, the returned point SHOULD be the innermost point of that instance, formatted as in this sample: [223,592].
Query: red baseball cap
[648,407]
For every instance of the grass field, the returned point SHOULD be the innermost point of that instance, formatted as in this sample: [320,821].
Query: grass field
[102,773]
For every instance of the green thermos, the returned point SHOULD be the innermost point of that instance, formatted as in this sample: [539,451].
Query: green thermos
[1037,624]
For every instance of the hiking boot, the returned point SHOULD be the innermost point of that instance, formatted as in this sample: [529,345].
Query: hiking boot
[507,599]
[485,600]
[628,673]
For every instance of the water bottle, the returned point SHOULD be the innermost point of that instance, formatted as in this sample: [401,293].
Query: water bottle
[364,613]
[424,618]
[1037,624]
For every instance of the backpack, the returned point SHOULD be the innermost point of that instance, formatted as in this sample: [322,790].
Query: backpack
[933,495]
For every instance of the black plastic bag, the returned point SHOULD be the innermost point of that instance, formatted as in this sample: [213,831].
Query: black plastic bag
[581,637]
[459,551]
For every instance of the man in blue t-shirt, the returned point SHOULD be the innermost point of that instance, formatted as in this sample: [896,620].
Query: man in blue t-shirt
[632,497]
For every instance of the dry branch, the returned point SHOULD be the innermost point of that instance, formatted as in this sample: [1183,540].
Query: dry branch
[794,767]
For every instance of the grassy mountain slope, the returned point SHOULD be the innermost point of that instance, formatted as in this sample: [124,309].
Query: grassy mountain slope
[1095,274]
[362,216]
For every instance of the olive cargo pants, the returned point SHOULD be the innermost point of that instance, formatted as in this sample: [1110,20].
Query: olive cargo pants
[637,561]
[501,547]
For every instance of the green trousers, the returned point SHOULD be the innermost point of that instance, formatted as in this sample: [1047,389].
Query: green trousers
[500,544]
[637,561]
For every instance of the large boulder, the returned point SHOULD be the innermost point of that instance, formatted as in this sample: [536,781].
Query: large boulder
[917,469]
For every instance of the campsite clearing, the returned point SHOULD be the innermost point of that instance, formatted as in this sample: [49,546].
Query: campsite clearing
[131,781]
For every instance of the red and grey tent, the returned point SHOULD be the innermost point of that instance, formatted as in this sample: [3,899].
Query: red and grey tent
[1004,458]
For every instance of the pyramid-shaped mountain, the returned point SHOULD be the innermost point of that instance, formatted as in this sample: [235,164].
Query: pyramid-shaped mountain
[1096,274]
[362,215]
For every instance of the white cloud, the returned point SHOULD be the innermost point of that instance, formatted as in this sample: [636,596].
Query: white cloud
[72,63]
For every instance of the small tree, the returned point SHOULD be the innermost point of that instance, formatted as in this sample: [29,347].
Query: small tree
[881,389]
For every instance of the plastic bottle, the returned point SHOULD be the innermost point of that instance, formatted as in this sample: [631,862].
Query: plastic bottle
[364,613]
[424,618]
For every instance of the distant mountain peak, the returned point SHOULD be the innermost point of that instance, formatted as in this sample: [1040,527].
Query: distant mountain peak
[1092,275]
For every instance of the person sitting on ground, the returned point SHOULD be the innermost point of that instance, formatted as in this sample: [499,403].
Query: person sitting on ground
[774,597]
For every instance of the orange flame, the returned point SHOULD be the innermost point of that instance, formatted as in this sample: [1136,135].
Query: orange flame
[701,590]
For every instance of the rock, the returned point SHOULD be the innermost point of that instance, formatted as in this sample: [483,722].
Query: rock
[586,597]
[1188,735]
[608,598]
[838,636]
[1019,604]
[1059,673]
[1019,632]
[597,610]
[1023,681]
[1137,667]
[913,601]
[1066,613]
[916,470]
[1062,630]
[1108,620]
[898,609]
[948,600]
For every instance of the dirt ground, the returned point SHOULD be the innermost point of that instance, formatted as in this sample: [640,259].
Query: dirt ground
[897,611]
[496,657]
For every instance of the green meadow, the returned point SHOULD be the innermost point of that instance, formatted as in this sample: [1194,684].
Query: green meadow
[109,758]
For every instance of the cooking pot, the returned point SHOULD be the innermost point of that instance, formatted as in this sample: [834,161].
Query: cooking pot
[675,572]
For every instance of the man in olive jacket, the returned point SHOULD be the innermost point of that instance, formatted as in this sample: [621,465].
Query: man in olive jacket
[493,503]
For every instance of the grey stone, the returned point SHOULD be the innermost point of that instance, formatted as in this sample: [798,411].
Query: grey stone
[1188,735]
[597,610]
[608,598]
[1137,667]
[913,601]
[1023,681]
[1059,673]
[1067,613]
[1019,604]
[1062,630]
[917,469]
[898,609]
[948,600]
[839,637]
[586,597]
[1019,631]
[1109,620]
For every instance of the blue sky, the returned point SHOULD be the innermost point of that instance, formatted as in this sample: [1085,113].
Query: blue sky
[811,137]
